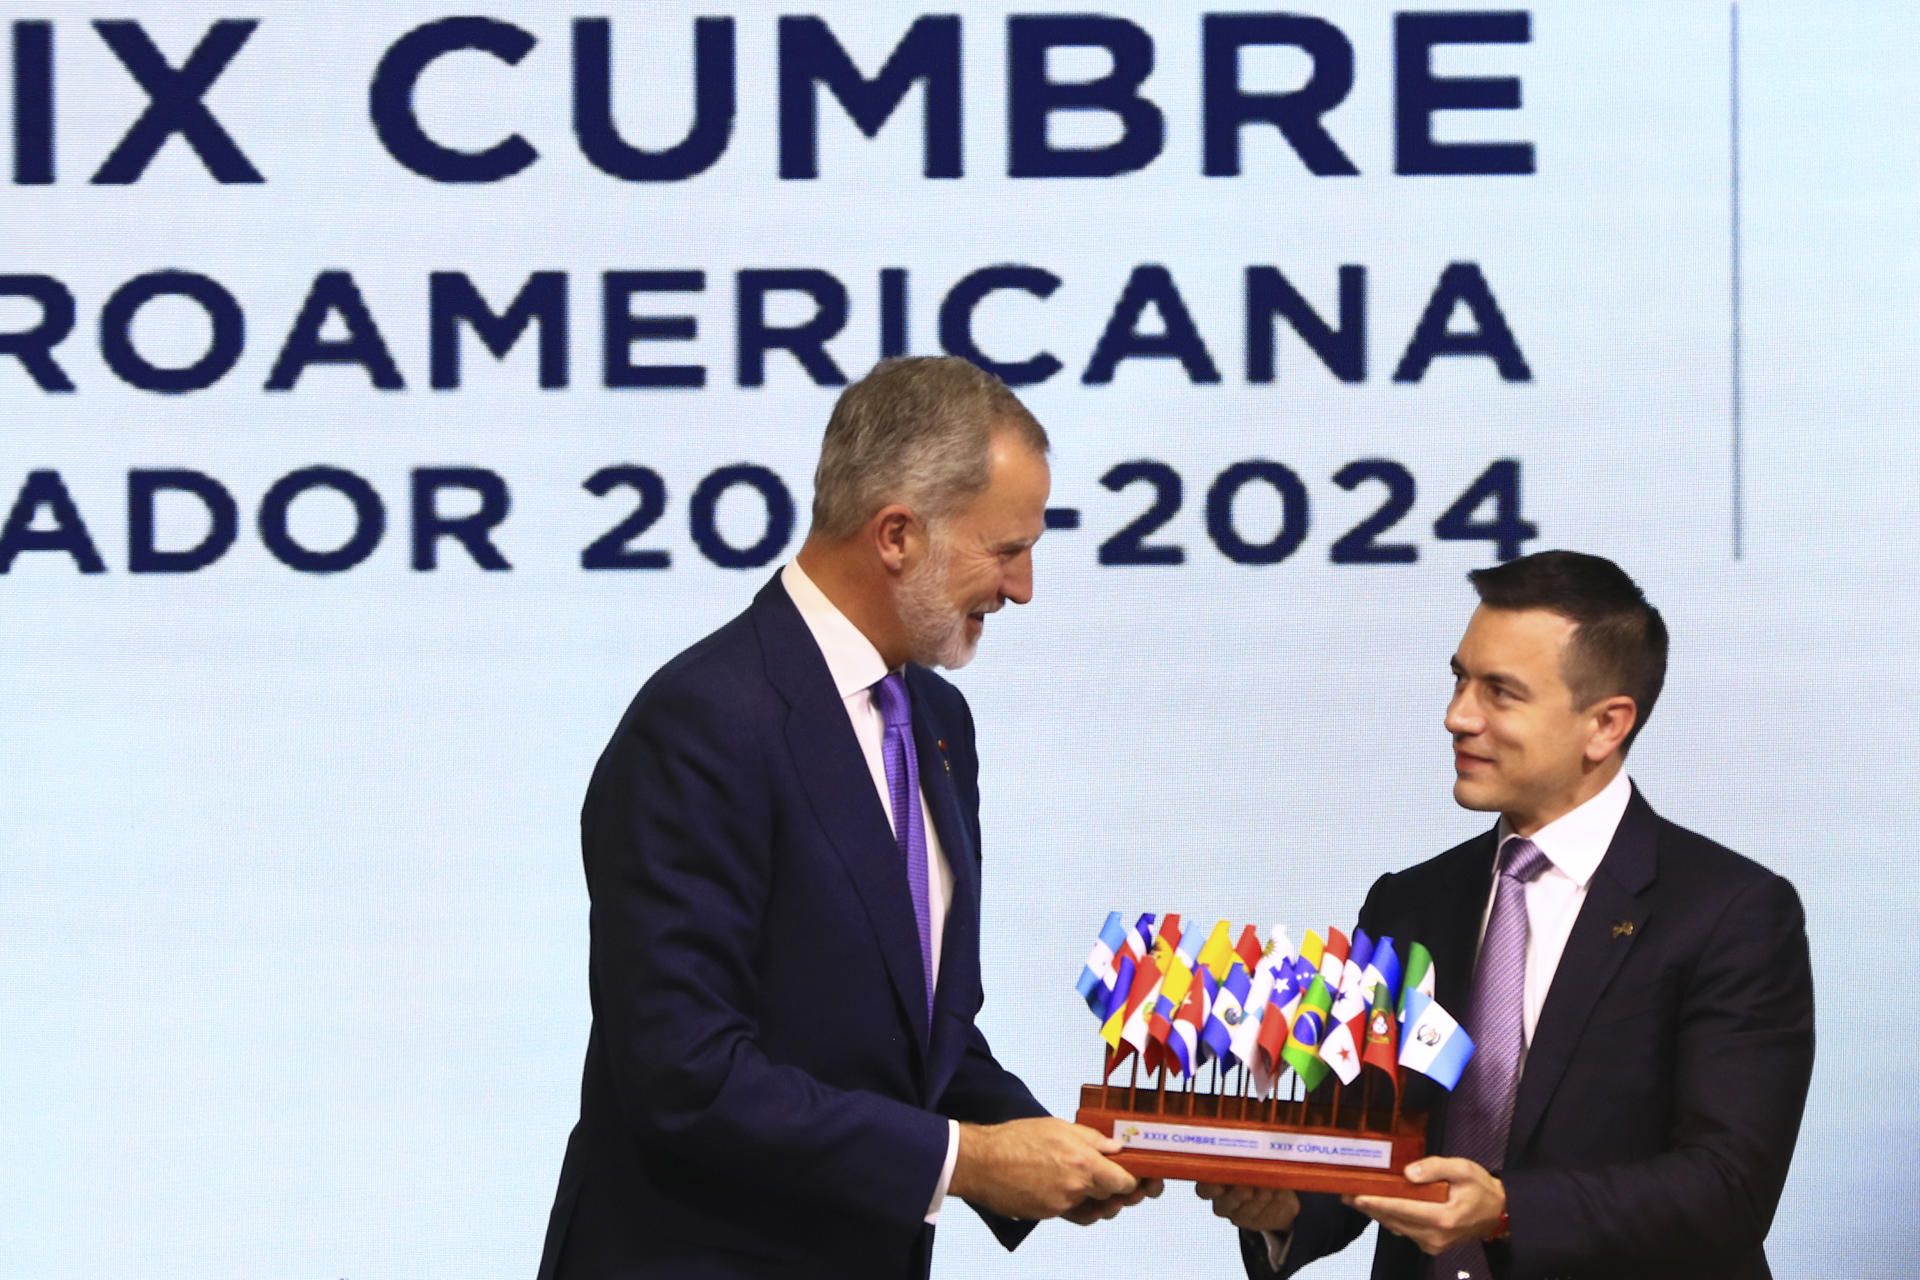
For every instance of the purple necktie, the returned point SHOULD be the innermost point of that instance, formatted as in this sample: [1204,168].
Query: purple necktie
[1481,1112]
[909,826]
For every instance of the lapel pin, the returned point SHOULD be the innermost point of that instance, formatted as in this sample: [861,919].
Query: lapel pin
[941,743]
[1624,929]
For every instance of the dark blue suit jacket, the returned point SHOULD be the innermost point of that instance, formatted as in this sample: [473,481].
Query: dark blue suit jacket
[763,1092]
[1662,1092]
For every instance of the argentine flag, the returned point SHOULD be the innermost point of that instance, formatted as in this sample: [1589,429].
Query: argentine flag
[1434,1044]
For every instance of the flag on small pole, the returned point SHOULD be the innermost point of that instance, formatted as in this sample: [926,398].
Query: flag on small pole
[1302,1050]
[1434,1044]
[1418,977]
[1346,1023]
[1098,976]
[1217,955]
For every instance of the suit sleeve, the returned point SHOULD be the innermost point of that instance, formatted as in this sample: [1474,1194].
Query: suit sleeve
[679,836]
[1743,1058]
[982,1091]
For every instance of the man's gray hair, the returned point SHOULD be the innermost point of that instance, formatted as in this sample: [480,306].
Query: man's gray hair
[916,430]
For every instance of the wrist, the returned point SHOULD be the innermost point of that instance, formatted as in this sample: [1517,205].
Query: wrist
[1501,1228]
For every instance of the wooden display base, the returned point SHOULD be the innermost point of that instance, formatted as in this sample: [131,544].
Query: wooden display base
[1104,1108]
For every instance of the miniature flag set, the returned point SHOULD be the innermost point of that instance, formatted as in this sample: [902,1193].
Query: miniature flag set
[1276,1024]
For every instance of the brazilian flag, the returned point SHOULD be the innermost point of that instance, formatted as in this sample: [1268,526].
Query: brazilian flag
[1309,1031]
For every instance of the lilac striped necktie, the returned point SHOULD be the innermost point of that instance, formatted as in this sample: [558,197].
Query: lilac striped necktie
[903,789]
[1481,1112]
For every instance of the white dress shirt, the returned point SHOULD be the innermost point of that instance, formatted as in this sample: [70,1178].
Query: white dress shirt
[1574,843]
[856,666]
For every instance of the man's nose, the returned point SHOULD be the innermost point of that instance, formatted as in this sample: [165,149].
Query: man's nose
[1016,584]
[1462,718]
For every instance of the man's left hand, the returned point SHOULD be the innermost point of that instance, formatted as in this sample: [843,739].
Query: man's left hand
[1473,1207]
[1088,1212]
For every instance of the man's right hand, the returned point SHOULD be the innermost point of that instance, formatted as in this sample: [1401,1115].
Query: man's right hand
[1037,1168]
[1252,1208]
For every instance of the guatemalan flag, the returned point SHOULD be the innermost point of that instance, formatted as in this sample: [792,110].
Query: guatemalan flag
[1433,1044]
[1098,977]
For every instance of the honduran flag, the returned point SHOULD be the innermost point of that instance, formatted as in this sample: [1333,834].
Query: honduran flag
[1183,1042]
[1433,1043]
[1309,1031]
[1226,1010]
[1346,1024]
[1098,976]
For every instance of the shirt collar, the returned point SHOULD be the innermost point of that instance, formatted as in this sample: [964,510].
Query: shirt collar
[1577,840]
[852,661]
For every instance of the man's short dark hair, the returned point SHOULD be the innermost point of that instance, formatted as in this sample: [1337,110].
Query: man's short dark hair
[1619,644]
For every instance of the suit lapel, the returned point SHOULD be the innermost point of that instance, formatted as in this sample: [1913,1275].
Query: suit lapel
[1610,921]
[1450,916]
[960,943]
[834,773]
[1461,900]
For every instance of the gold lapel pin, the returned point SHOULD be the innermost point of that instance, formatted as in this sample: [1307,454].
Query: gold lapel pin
[1624,929]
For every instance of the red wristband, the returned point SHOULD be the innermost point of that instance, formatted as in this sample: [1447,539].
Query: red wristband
[1499,1232]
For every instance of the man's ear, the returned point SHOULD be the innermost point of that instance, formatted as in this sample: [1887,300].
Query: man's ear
[1613,720]
[892,529]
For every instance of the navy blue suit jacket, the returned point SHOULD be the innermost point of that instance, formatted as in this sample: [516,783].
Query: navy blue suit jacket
[764,1093]
[1662,1091]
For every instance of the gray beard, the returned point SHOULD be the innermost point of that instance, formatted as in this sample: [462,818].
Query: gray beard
[936,635]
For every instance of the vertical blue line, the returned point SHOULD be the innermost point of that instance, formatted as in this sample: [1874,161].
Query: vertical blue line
[1733,173]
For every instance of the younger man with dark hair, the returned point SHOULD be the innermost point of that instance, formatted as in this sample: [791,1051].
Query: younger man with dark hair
[1639,997]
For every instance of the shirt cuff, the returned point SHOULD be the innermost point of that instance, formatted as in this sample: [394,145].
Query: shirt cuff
[1278,1242]
[946,1171]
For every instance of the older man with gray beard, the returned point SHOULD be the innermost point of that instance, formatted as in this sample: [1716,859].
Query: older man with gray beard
[782,845]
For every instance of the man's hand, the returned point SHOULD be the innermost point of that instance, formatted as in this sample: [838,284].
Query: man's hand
[1475,1201]
[1088,1212]
[1038,1168]
[1251,1208]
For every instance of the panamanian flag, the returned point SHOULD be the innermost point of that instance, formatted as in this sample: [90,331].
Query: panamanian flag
[1346,1023]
